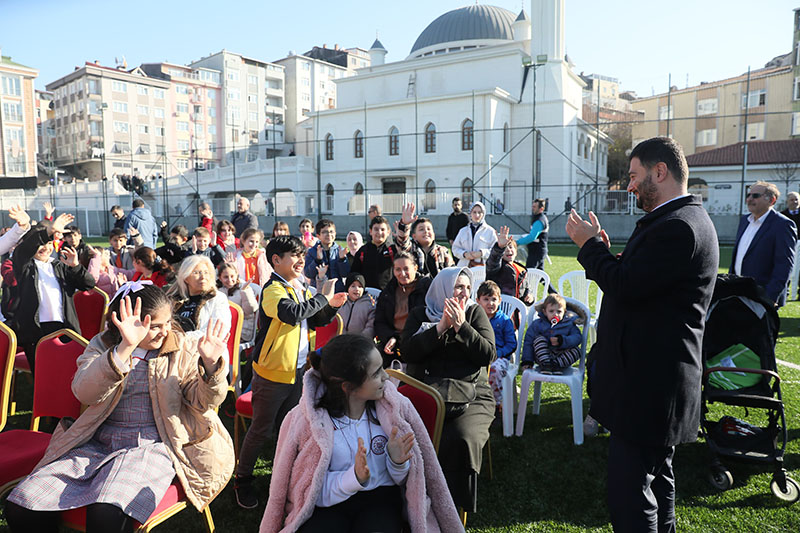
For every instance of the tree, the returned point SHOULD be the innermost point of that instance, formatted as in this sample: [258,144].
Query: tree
[785,172]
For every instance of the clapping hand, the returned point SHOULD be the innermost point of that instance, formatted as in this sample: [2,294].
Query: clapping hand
[399,448]
[338,299]
[130,325]
[454,309]
[361,468]
[319,253]
[69,256]
[580,230]
[230,257]
[17,213]
[213,344]
[502,237]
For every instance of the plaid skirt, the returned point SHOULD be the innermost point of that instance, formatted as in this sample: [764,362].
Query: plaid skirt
[124,464]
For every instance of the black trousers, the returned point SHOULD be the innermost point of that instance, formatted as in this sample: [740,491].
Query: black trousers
[641,487]
[376,511]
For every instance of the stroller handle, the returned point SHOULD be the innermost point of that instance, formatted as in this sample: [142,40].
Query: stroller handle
[770,373]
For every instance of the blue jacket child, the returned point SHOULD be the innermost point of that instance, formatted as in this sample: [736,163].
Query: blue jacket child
[566,331]
[505,338]
[338,269]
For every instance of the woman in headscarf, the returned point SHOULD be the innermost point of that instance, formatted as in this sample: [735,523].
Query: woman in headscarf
[475,240]
[449,344]
[354,242]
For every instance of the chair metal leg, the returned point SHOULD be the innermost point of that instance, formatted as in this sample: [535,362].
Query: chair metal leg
[487,453]
[210,528]
[462,514]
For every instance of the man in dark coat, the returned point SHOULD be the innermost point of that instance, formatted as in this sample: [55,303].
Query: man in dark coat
[457,220]
[765,243]
[792,212]
[243,218]
[646,366]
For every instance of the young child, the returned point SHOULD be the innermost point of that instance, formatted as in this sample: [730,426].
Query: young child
[431,257]
[287,318]
[355,453]
[328,254]
[251,261]
[509,274]
[358,312]
[505,337]
[147,266]
[239,293]
[226,237]
[306,227]
[176,245]
[553,340]
[107,277]
[280,228]
[374,260]
[72,238]
[201,245]
[121,252]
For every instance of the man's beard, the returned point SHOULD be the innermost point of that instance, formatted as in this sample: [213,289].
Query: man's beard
[646,199]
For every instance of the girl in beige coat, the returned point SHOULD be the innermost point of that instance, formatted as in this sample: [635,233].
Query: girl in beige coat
[151,393]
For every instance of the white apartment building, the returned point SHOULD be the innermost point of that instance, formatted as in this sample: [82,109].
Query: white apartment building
[17,124]
[253,105]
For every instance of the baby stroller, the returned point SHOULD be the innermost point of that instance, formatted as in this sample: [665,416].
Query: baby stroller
[743,323]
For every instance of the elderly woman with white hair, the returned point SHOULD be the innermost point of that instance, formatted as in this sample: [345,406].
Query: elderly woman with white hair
[474,241]
[197,301]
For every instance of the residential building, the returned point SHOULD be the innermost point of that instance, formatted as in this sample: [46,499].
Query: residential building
[45,134]
[252,103]
[18,140]
[101,125]
[194,114]
[311,83]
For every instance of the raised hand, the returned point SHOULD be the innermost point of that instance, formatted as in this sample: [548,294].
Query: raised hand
[230,257]
[18,214]
[319,253]
[388,348]
[361,469]
[48,209]
[322,270]
[580,230]
[328,288]
[194,244]
[121,278]
[133,231]
[399,448]
[163,223]
[407,216]
[213,344]
[338,299]
[61,222]
[129,323]
[502,237]
[342,253]
[69,256]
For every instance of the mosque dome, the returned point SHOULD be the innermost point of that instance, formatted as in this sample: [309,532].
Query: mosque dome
[482,24]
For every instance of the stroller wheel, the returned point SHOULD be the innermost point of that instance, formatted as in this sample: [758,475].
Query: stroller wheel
[790,495]
[721,478]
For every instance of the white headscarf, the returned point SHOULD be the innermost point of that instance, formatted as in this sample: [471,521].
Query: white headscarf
[483,217]
[442,288]
[359,238]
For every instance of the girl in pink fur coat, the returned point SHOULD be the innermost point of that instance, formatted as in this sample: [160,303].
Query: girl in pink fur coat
[348,450]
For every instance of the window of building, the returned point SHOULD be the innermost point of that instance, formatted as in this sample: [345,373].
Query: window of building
[181,88]
[158,112]
[212,112]
[143,128]
[467,135]
[252,116]
[142,110]
[120,127]
[212,94]
[94,128]
[183,145]
[796,91]
[160,131]
[14,149]
[182,108]
[119,86]
[329,198]
[506,137]
[796,123]
[252,80]
[234,94]
[182,125]
[141,90]
[707,106]
[358,144]
[120,107]
[430,138]
[159,94]
[466,191]
[329,147]
[394,141]
[121,147]
[183,164]
[429,200]
[707,137]
[12,111]
[358,190]
[144,148]
[305,66]
[757,98]
[212,129]
[233,75]
[755,131]
[93,86]
[666,112]
[306,82]
[252,98]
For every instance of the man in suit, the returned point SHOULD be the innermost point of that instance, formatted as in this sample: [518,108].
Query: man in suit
[646,365]
[792,212]
[765,243]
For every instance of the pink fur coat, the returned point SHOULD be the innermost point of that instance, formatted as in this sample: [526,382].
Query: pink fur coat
[304,452]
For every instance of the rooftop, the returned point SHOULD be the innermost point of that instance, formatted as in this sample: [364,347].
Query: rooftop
[758,153]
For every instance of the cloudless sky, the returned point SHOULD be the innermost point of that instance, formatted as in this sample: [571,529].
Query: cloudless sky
[640,43]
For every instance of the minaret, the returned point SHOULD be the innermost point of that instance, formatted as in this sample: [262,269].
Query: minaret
[548,30]
[522,27]
[377,53]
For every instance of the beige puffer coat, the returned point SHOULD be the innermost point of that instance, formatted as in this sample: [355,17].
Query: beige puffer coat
[184,399]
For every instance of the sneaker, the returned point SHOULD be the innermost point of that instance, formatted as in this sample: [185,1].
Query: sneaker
[245,492]
[590,426]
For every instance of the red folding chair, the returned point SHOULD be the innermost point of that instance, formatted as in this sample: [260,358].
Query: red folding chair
[244,403]
[234,339]
[91,308]
[426,400]
[21,450]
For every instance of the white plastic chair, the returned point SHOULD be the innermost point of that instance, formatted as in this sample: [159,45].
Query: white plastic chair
[538,281]
[478,277]
[579,289]
[509,305]
[572,377]
[372,291]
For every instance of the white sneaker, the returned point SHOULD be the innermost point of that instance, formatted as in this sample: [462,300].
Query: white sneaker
[590,426]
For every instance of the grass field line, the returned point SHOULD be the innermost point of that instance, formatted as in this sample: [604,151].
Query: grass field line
[787,363]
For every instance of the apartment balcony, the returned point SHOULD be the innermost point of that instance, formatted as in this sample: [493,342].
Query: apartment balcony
[272,109]
[270,91]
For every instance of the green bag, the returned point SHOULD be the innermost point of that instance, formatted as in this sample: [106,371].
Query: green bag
[739,356]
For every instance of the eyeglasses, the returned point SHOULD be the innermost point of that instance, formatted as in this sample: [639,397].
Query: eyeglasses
[754,195]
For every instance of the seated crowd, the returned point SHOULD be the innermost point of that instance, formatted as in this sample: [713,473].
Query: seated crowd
[351,451]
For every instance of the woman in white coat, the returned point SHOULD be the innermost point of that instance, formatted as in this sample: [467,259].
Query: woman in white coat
[475,240]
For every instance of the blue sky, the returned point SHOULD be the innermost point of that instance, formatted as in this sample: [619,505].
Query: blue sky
[638,43]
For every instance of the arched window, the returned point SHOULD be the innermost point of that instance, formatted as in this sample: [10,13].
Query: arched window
[394,141]
[506,137]
[580,145]
[329,198]
[356,203]
[505,195]
[358,189]
[466,192]
[467,135]
[430,138]
[329,147]
[429,200]
[358,144]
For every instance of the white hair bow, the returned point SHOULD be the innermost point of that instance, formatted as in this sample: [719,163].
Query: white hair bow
[129,287]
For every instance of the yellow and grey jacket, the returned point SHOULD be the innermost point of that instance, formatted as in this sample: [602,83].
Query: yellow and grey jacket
[280,316]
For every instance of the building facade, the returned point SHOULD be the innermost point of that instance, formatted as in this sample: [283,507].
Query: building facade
[18,138]
[45,134]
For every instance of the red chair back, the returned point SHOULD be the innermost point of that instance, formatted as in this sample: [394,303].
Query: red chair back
[325,333]
[56,363]
[234,339]
[8,351]
[426,400]
[91,308]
